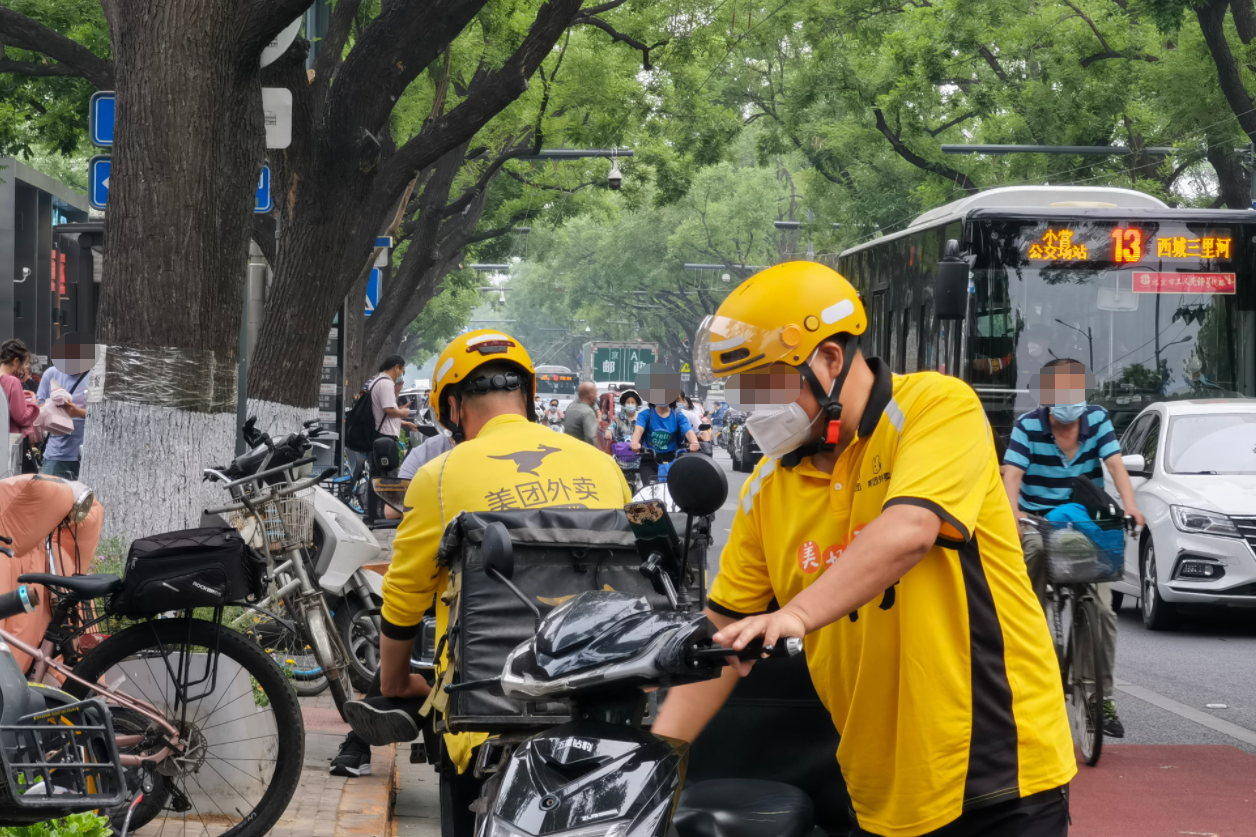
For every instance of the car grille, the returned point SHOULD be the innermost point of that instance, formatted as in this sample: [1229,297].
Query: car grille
[1247,528]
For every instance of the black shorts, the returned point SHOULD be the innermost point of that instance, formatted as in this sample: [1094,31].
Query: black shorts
[1043,814]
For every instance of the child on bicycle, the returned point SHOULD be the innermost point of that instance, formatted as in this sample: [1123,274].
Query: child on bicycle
[1066,438]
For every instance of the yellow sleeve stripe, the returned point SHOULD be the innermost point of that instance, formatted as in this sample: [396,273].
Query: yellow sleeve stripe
[747,502]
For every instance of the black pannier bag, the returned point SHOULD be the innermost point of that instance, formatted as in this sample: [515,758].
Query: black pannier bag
[189,568]
[558,554]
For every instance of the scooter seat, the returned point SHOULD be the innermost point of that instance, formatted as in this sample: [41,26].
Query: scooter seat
[744,808]
[87,586]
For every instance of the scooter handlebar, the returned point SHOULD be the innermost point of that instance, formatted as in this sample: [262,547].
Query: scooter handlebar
[785,647]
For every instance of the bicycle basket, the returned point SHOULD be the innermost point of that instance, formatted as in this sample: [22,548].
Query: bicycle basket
[1083,552]
[287,521]
[60,761]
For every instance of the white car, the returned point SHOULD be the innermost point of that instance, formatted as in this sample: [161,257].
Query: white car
[1193,467]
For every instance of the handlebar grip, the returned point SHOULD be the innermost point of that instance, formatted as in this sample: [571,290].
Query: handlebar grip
[22,600]
[7,540]
[786,646]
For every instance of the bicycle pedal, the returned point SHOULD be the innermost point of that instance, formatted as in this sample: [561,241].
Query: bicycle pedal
[418,753]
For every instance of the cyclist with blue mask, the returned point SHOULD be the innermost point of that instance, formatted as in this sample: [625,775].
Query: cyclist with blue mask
[1063,439]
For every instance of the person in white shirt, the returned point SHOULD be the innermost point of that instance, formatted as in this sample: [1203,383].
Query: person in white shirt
[389,417]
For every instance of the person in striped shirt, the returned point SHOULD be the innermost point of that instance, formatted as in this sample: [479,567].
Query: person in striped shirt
[1050,446]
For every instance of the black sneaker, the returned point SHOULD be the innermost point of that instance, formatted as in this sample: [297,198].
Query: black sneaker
[380,726]
[354,758]
[1112,726]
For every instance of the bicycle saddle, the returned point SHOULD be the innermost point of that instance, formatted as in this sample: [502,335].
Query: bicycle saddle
[744,808]
[88,586]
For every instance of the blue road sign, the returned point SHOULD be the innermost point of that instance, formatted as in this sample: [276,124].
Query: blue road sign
[384,241]
[100,118]
[372,290]
[264,202]
[98,180]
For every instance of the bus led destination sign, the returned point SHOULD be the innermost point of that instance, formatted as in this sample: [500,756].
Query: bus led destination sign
[1183,283]
[1129,245]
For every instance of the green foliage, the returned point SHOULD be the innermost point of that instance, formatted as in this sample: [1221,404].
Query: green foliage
[49,114]
[76,825]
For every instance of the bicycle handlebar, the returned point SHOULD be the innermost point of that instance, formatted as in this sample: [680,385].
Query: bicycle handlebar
[22,600]
[785,647]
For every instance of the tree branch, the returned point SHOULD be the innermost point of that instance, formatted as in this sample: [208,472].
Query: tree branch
[616,35]
[1093,28]
[30,68]
[1212,25]
[487,96]
[1244,20]
[22,32]
[957,177]
[484,179]
[993,61]
[398,45]
[935,131]
[516,176]
[330,51]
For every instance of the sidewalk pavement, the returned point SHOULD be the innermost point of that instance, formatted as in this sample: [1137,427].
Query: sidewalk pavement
[336,806]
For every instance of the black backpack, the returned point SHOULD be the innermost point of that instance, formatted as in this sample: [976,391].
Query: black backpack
[1098,503]
[361,431]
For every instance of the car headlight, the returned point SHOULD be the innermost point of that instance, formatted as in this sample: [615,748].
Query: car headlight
[617,828]
[1203,522]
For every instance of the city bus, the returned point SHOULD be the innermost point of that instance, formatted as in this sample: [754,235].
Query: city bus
[1158,303]
[556,382]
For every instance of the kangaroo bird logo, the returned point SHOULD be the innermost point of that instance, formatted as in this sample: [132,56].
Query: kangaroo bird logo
[527,461]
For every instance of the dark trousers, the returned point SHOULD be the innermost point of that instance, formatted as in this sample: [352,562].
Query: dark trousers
[457,791]
[1042,814]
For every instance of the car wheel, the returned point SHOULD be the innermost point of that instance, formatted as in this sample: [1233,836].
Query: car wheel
[1158,615]
[1118,598]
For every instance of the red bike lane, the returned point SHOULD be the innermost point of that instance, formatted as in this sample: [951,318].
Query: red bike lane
[1166,790]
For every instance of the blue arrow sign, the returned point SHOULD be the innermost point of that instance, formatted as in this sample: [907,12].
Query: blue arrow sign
[372,290]
[98,180]
[100,118]
[264,203]
[384,241]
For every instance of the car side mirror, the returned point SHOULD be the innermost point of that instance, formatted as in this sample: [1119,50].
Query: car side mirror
[497,551]
[1135,464]
[950,294]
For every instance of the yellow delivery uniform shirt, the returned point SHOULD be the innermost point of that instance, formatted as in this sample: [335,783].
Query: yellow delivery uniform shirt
[512,463]
[945,688]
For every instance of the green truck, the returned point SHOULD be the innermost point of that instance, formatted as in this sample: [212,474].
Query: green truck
[604,361]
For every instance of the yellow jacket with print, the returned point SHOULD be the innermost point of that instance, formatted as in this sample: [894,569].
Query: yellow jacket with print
[512,463]
[945,688]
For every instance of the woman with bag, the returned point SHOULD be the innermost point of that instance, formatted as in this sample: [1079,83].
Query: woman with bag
[64,390]
[22,407]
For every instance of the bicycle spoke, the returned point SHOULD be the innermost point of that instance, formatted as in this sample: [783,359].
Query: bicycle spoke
[226,763]
[243,798]
[241,740]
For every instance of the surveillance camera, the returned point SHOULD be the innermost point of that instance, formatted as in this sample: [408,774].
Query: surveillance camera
[616,178]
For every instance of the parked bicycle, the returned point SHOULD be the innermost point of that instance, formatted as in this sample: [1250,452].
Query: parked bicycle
[203,728]
[1079,555]
[273,509]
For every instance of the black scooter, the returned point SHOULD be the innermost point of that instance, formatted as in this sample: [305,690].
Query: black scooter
[603,774]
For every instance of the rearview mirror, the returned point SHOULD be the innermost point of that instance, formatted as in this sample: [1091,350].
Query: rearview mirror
[950,295]
[1135,463]
[497,550]
[698,486]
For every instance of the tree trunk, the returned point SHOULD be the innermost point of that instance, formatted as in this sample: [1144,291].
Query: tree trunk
[187,155]
[1233,180]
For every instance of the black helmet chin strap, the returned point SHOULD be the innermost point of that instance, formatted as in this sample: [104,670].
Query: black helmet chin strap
[830,406]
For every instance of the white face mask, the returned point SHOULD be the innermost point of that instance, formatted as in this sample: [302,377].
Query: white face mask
[780,431]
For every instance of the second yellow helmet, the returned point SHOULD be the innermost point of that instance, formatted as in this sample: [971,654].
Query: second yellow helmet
[779,314]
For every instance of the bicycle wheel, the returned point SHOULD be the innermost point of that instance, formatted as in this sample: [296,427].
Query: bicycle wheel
[1085,678]
[281,637]
[245,742]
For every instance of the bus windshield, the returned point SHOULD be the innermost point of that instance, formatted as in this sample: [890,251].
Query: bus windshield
[1154,309]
